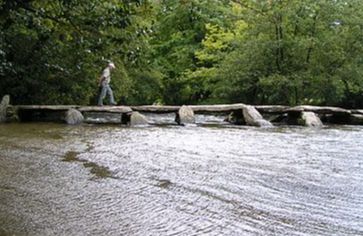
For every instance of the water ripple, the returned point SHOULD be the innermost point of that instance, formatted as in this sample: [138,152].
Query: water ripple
[180,180]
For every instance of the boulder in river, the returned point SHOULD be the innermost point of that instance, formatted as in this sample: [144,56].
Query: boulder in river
[254,118]
[310,119]
[3,107]
[73,117]
[138,119]
[185,115]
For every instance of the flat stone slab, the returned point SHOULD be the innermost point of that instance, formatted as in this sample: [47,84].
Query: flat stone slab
[156,109]
[195,108]
[110,109]
[47,107]
[360,112]
[272,109]
[217,108]
[319,110]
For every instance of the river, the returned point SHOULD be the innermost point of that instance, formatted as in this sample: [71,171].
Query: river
[170,180]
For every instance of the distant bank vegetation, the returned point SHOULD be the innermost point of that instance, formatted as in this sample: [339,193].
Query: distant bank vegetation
[183,51]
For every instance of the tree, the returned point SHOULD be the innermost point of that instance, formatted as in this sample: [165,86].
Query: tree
[184,51]
[180,30]
[295,52]
[53,50]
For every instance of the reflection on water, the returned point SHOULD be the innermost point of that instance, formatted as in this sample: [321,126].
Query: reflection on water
[197,180]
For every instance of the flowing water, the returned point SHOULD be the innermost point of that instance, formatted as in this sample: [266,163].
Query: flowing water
[169,180]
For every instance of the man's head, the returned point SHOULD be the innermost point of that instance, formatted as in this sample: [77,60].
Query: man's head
[111,65]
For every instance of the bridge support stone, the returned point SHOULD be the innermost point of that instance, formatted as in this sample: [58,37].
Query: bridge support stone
[254,118]
[3,107]
[138,119]
[310,119]
[73,117]
[185,115]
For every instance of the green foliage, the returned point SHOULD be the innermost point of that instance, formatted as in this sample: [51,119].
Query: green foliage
[53,51]
[180,30]
[295,52]
[183,51]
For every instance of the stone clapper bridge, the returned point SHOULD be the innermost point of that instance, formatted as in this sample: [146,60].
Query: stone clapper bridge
[238,114]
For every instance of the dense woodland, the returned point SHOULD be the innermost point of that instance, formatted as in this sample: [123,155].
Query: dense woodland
[183,51]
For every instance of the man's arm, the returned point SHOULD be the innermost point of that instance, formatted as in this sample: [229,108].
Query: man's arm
[100,80]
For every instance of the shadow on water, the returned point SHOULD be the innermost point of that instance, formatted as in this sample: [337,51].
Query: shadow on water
[99,172]
[4,233]
[32,130]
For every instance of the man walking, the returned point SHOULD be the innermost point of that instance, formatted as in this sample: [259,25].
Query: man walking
[104,83]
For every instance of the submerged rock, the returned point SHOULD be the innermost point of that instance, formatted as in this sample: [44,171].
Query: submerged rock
[3,107]
[254,118]
[74,117]
[185,115]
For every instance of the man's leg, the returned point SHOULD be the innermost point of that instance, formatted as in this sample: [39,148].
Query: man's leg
[102,95]
[110,93]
